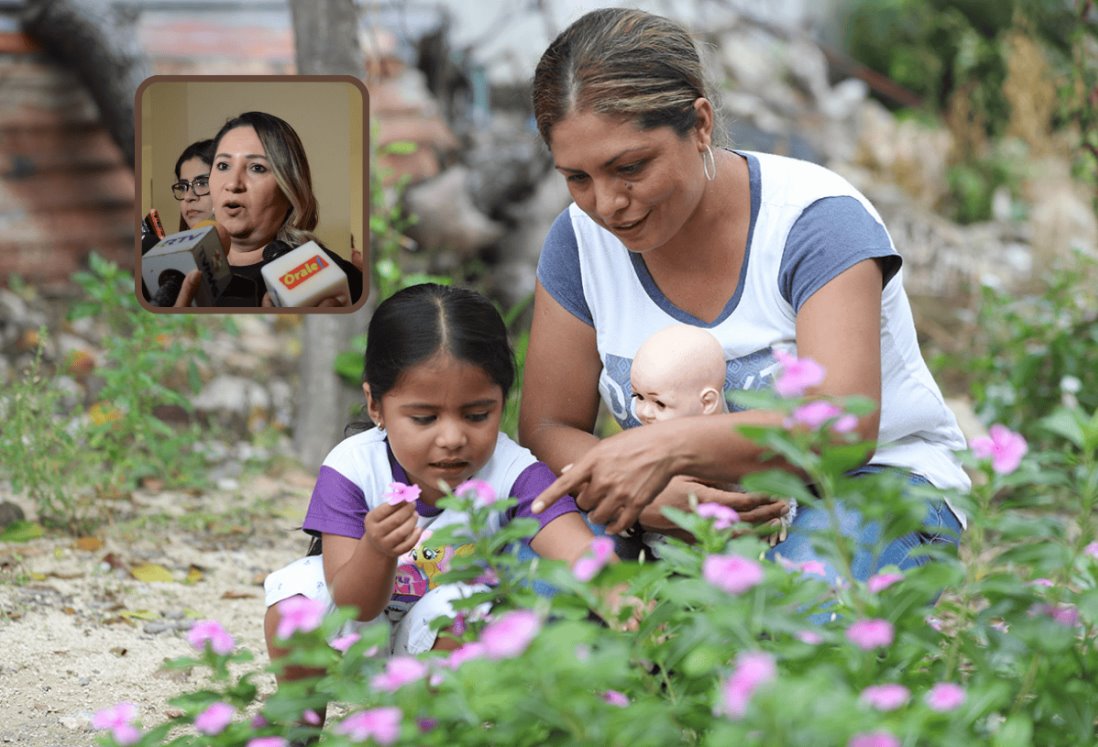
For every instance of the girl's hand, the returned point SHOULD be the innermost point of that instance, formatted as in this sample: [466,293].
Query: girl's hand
[391,530]
[617,599]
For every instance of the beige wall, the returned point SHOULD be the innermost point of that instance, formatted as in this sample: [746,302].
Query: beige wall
[328,116]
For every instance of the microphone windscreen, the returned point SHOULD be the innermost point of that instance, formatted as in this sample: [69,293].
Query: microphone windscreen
[275,249]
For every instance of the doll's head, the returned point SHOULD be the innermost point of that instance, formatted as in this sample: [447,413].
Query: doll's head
[678,371]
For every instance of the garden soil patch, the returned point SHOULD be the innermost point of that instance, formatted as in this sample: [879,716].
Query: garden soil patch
[89,622]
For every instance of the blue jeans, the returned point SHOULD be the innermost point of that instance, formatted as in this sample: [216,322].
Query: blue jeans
[939,527]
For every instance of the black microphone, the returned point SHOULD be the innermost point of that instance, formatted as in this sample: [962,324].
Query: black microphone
[275,249]
[170,282]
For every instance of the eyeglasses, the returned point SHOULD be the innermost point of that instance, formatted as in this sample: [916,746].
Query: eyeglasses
[200,185]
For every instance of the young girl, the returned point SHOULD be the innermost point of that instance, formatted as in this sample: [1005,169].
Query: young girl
[438,370]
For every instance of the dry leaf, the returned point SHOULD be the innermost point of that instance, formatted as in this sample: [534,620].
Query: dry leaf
[119,650]
[88,544]
[151,573]
[194,574]
[140,615]
[238,595]
[113,561]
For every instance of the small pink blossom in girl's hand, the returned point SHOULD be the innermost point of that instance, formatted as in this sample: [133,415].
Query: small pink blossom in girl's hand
[380,724]
[753,669]
[887,697]
[797,374]
[299,614]
[267,742]
[723,516]
[119,719]
[482,492]
[732,573]
[214,719]
[811,637]
[210,631]
[882,581]
[870,634]
[596,558]
[509,636]
[398,493]
[344,642]
[1005,448]
[615,698]
[945,696]
[399,671]
[874,739]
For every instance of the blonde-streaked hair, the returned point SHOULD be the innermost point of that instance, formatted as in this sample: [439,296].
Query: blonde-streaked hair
[622,63]
[290,166]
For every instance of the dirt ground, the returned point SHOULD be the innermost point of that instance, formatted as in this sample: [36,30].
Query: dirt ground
[80,631]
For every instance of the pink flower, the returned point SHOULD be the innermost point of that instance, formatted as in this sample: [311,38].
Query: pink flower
[466,653]
[813,568]
[398,493]
[344,642]
[886,697]
[509,636]
[1091,550]
[258,722]
[615,698]
[753,669]
[797,374]
[1005,448]
[723,516]
[399,671]
[267,742]
[298,614]
[482,492]
[870,634]
[811,637]
[845,424]
[873,739]
[1045,582]
[1063,614]
[945,696]
[489,578]
[814,414]
[211,632]
[732,573]
[599,554]
[119,719]
[214,719]
[311,717]
[380,724]
[934,623]
[882,581]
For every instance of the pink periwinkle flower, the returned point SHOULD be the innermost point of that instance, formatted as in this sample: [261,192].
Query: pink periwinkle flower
[1047,583]
[426,724]
[1003,446]
[489,578]
[214,719]
[299,614]
[119,720]
[811,637]
[723,517]
[1091,550]
[814,568]
[732,573]
[258,722]
[887,697]
[398,493]
[482,492]
[797,374]
[594,560]
[380,724]
[466,653]
[945,696]
[1063,614]
[882,581]
[615,698]
[934,623]
[874,739]
[509,636]
[267,742]
[344,642]
[753,669]
[211,632]
[870,634]
[311,717]
[815,413]
[399,671]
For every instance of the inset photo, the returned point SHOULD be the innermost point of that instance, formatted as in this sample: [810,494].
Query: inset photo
[252,193]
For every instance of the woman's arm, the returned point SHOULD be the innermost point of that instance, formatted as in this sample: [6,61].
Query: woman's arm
[360,572]
[839,327]
[560,386]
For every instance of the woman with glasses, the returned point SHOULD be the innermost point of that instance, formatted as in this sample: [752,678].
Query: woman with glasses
[192,184]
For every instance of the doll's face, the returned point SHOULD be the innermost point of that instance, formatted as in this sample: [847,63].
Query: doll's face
[678,372]
[660,397]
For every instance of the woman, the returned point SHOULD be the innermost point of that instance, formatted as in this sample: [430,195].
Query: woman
[767,253]
[192,184]
[262,191]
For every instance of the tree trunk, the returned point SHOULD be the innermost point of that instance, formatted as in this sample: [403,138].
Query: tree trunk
[98,42]
[326,43]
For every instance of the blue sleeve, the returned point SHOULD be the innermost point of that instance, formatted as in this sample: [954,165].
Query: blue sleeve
[559,269]
[831,236]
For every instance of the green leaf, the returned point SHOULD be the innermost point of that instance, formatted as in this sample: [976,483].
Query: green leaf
[1067,423]
[21,531]
[778,483]
[1016,732]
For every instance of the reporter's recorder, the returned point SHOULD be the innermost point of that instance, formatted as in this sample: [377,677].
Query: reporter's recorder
[196,249]
[303,276]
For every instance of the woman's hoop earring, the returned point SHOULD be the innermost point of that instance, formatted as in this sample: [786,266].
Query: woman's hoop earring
[709,167]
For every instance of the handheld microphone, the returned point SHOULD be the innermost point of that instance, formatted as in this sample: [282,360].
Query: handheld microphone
[200,248]
[152,230]
[302,276]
